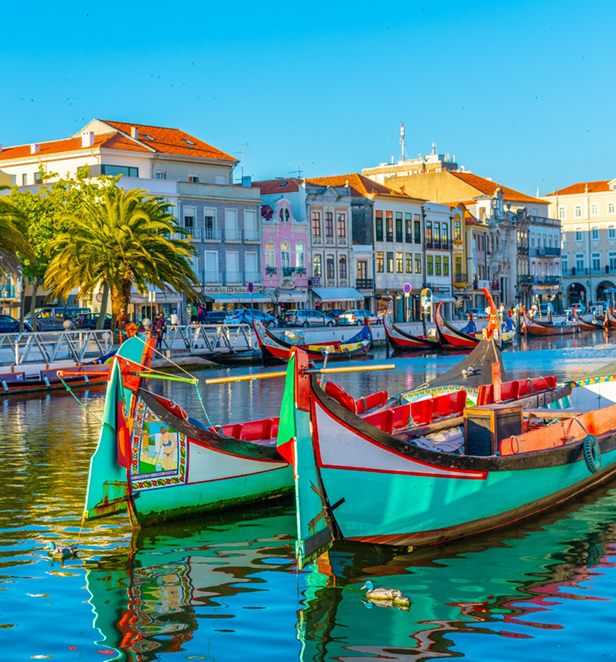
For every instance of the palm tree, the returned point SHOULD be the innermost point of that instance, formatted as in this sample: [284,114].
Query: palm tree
[120,239]
[13,239]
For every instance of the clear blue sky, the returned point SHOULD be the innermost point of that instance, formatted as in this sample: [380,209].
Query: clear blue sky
[523,92]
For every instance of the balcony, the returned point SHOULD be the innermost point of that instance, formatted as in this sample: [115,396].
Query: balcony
[270,271]
[317,240]
[460,280]
[211,278]
[233,278]
[364,283]
[548,251]
[525,279]
[546,280]
[232,236]
[252,237]
[288,271]
[204,234]
[252,277]
[439,245]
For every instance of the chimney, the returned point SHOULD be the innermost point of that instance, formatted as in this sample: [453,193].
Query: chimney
[134,133]
[34,148]
[87,139]
[247,181]
[0,147]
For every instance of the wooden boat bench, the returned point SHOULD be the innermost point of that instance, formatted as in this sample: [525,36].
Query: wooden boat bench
[11,378]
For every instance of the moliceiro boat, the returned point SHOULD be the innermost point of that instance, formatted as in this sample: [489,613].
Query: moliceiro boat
[532,327]
[275,349]
[401,341]
[488,466]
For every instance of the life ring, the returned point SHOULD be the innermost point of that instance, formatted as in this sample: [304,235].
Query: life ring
[592,453]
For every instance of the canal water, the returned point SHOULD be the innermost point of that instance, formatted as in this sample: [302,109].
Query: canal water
[228,588]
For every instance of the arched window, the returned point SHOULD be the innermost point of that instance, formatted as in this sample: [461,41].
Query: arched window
[331,271]
[316,265]
[342,267]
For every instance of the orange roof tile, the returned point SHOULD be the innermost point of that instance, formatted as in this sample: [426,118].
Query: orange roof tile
[360,186]
[52,147]
[171,141]
[269,186]
[488,187]
[583,187]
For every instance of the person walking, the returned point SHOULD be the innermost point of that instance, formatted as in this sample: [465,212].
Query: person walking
[160,328]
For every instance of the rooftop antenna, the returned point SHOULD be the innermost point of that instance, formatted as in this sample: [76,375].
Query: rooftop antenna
[243,152]
[404,155]
[433,148]
[299,169]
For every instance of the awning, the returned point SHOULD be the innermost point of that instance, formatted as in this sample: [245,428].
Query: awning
[161,297]
[237,297]
[436,299]
[293,297]
[338,294]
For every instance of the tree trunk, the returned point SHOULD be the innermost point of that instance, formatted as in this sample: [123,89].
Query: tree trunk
[37,283]
[103,311]
[22,304]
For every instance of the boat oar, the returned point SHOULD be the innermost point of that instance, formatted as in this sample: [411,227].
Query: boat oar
[310,371]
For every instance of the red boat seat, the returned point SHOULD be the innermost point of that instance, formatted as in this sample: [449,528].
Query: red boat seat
[336,392]
[370,402]
[231,430]
[256,430]
[274,430]
[421,411]
[485,395]
[525,388]
[509,391]
[544,383]
[450,404]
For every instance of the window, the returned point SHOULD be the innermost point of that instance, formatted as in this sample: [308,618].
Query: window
[341,227]
[562,213]
[437,265]
[209,219]
[579,263]
[232,232]
[24,179]
[270,254]
[300,258]
[458,268]
[316,224]
[445,235]
[160,174]
[418,264]
[594,209]
[250,225]
[578,234]
[399,235]
[233,267]
[417,225]
[596,262]
[532,240]
[380,265]
[362,269]
[379,225]
[445,265]
[430,265]
[612,261]
[212,274]
[285,256]
[193,177]
[400,261]
[108,169]
[342,267]
[189,219]
[594,234]
[408,222]
[390,262]
[429,233]
[283,214]
[37,177]
[409,263]
[389,220]
[611,208]
[250,262]
[611,232]
[316,266]
[577,211]
[457,231]
[329,263]
[565,263]
[329,224]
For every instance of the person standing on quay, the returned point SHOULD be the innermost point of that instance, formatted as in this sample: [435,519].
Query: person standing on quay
[160,327]
[122,320]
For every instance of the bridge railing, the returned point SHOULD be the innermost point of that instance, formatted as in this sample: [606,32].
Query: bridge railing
[210,338]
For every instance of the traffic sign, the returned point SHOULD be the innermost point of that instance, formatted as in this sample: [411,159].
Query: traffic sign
[251,287]
[407,288]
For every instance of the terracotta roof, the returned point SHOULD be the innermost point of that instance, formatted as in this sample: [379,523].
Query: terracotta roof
[269,186]
[166,141]
[360,186]
[488,187]
[583,187]
[52,147]
[171,141]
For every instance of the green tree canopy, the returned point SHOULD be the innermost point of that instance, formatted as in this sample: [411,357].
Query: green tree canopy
[120,239]
[13,239]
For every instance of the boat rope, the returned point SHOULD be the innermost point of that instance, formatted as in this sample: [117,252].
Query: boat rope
[70,390]
[173,363]
[202,404]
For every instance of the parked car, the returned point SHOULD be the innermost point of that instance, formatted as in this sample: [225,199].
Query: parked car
[53,318]
[478,313]
[9,324]
[307,318]
[89,321]
[359,317]
[215,317]
[335,313]
[246,315]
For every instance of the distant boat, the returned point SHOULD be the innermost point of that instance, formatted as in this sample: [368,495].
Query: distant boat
[275,349]
[532,327]
[401,341]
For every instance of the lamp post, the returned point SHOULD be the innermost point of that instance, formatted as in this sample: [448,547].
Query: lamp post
[276,303]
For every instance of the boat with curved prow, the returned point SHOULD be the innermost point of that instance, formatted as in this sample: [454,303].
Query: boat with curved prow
[532,327]
[586,326]
[401,341]
[492,466]
[276,349]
